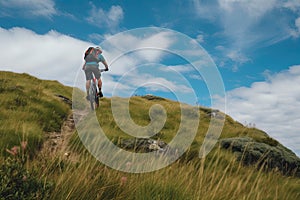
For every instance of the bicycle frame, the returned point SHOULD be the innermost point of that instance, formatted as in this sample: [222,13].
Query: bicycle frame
[94,101]
[93,91]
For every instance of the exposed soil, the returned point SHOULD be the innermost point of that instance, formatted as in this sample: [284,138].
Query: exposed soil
[56,144]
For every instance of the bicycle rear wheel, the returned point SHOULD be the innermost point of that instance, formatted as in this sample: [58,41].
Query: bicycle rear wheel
[96,97]
[92,93]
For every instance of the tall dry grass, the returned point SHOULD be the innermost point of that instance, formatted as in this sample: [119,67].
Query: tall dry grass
[218,176]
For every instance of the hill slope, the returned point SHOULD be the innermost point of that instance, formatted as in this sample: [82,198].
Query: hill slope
[31,107]
[250,145]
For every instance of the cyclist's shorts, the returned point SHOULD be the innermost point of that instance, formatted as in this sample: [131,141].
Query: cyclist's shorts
[90,70]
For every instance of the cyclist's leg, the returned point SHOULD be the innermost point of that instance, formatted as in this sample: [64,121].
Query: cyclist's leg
[88,77]
[87,86]
[97,74]
[100,87]
[99,83]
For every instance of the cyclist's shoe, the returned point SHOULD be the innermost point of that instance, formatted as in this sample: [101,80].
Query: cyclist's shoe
[87,97]
[100,94]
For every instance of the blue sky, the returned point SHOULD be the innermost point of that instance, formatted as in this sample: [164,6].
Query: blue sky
[254,44]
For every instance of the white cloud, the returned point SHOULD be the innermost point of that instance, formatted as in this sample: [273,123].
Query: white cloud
[241,24]
[249,24]
[296,32]
[196,77]
[96,37]
[51,56]
[178,68]
[237,56]
[297,23]
[146,49]
[200,38]
[110,19]
[253,8]
[206,10]
[273,105]
[154,83]
[54,56]
[292,4]
[29,8]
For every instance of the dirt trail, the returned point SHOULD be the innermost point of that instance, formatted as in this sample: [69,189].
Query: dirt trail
[56,144]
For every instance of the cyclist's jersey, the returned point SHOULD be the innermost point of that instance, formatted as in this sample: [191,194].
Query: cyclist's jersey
[100,58]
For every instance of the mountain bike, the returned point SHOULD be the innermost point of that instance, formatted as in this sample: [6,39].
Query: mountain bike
[93,92]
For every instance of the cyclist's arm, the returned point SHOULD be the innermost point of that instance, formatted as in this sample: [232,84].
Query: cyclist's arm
[83,67]
[105,64]
[102,59]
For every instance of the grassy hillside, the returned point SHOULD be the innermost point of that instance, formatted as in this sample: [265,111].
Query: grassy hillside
[30,108]
[139,111]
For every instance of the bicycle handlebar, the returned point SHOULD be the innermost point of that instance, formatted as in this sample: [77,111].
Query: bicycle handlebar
[103,70]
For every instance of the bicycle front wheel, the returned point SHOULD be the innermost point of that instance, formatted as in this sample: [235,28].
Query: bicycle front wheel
[96,97]
[92,93]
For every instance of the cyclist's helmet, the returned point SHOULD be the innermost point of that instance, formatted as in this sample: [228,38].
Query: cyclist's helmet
[98,48]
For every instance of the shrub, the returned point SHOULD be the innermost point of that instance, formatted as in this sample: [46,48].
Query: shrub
[268,156]
[16,182]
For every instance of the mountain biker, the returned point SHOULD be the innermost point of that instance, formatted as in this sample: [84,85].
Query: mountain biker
[91,68]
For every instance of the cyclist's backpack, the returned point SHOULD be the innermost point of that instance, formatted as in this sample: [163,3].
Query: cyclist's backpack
[91,55]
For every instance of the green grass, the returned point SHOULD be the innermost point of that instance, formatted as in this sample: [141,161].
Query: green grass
[219,176]
[139,109]
[29,108]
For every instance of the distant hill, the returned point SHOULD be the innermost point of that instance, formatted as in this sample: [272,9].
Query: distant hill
[245,163]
